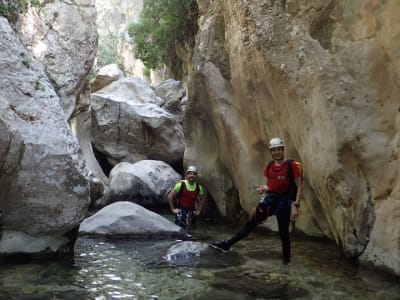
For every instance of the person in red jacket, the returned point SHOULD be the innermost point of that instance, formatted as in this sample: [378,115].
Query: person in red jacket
[188,193]
[282,177]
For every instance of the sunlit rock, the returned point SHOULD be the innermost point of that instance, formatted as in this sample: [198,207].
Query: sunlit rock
[113,19]
[324,77]
[105,76]
[43,191]
[126,218]
[62,36]
[174,94]
[129,125]
[146,182]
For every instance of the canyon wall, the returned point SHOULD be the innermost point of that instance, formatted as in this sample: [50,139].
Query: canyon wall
[323,76]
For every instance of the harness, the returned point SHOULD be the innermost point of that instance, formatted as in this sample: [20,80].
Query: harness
[278,203]
[186,216]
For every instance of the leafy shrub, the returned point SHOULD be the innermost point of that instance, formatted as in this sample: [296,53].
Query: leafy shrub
[160,23]
[10,7]
[146,71]
[107,50]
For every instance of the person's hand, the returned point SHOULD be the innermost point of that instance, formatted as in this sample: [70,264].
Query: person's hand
[260,189]
[176,211]
[196,212]
[294,212]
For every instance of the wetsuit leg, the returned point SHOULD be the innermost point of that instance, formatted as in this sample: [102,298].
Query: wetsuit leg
[261,214]
[283,218]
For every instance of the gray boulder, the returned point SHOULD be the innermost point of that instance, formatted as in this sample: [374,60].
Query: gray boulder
[146,182]
[129,125]
[126,218]
[43,190]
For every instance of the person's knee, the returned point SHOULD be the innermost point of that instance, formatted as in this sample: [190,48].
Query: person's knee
[261,213]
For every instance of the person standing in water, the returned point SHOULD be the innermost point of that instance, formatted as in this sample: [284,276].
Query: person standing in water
[188,193]
[283,192]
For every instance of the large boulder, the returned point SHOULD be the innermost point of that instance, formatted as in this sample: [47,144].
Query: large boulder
[105,76]
[129,125]
[174,94]
[126,218]
[43,191]
[146,182]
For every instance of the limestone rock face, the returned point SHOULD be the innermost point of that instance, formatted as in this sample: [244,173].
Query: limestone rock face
[113,15]
[43,194]
[113,19]
[174,94]
[322,75]
[62,36]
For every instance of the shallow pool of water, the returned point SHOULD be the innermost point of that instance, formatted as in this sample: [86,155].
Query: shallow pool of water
[134,268]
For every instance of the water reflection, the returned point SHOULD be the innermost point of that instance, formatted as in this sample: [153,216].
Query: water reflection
[135,269]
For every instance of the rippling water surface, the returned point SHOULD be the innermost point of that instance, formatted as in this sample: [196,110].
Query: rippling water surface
[135,269]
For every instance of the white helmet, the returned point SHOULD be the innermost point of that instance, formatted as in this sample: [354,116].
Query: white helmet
[191,169]
[275,143]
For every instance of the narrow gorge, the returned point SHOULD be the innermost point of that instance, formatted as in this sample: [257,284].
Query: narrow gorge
[323,75]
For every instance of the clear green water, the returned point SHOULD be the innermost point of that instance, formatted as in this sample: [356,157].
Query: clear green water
[135,269]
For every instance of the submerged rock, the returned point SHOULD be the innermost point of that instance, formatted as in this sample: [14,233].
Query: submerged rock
[184,250]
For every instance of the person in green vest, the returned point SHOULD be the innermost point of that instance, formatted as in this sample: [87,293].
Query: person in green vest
[189,197]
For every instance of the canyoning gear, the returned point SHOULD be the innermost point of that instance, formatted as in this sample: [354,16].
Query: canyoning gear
[271,204]
[191,169]
[220,245]
[263,211]
[187,194]
[185,201]
[282,191]
[283,217]
[281,178]
[185,217]
[275,143]
[242,233]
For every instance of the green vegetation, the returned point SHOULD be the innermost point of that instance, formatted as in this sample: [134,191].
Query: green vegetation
[39,86]
[107,50]
[26,62]
[146,71]
[162,22]
[10,7]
